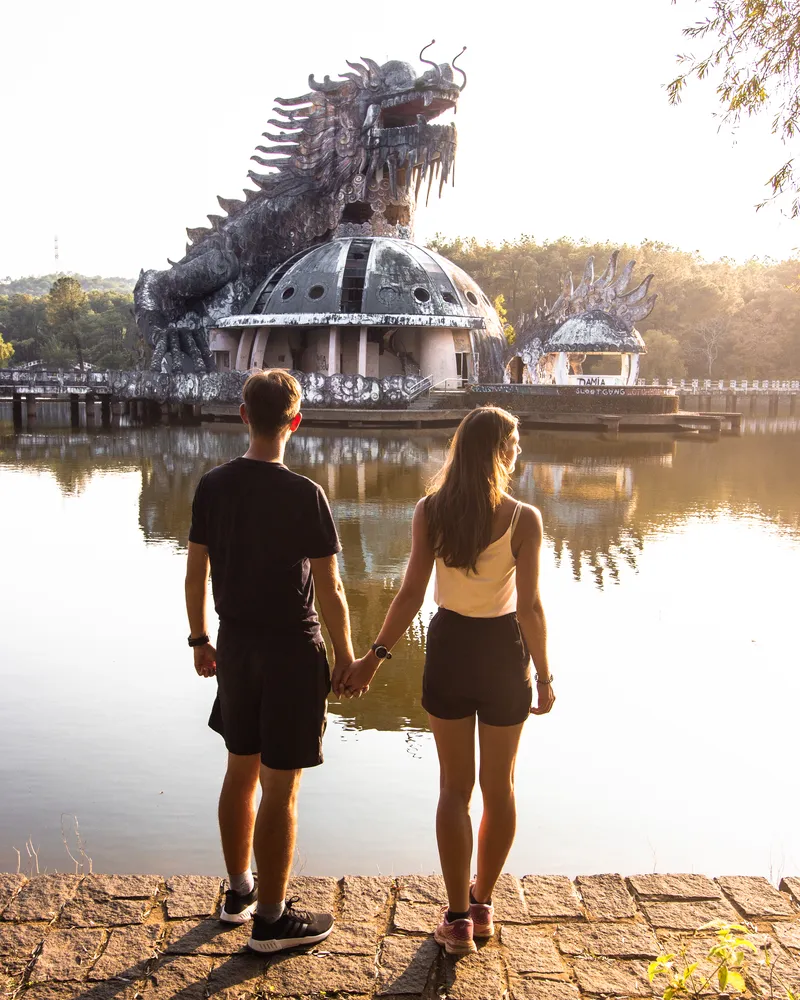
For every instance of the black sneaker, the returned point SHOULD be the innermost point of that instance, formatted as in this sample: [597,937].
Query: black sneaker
[294,929]
[239,906]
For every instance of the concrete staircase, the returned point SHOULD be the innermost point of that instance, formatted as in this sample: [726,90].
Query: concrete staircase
[441,400]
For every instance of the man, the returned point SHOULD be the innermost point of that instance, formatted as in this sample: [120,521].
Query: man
[268,538]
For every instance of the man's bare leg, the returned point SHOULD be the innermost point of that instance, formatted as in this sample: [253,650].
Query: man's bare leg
[237,810]
[275,834]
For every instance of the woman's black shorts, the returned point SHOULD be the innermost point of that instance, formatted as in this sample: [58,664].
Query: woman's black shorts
[272,697]
[477,666]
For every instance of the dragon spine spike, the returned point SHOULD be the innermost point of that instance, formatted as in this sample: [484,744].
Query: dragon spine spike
[622,282]
[216,221]
[290,102]
[607,277]
[362,71]
[230,205]
[638,293]
[195,235]
[375,74]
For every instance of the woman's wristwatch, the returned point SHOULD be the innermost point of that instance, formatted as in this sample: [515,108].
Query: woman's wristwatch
[545,680]
[381,652]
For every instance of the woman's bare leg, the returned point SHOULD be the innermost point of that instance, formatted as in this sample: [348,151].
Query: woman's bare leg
[498,748]
[455,743]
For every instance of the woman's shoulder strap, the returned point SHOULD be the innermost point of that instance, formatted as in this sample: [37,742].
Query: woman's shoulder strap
[515,515]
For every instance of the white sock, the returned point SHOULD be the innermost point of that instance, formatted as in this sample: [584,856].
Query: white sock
[270,911]
[242,884]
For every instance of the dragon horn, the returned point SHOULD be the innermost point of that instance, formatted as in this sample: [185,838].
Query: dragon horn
[623,280]
[607,277]
[294,101]
[362,71]
[458,69]
[374,71]
[638,293]
[428,62]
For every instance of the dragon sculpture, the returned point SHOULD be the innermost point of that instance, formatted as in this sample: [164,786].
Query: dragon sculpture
[604,300]
[348,157]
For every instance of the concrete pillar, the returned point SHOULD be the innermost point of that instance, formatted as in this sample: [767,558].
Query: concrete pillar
[31,408]
[74,410]
[166,413]
[773,405]
[197,411]
[793,404]
[334,350]
[90,411]
[105,411]
[362,351]
[16,411]
[260,346]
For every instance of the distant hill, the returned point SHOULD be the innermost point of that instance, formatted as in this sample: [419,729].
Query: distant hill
[40,284]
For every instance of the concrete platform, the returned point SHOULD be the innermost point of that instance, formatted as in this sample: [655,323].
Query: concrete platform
[97,937]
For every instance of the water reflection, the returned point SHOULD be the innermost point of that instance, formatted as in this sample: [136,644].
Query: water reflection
[601,499]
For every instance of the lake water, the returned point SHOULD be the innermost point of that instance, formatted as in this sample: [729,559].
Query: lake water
[669,580]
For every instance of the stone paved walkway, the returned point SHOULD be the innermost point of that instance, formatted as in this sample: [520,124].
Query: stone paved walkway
[99,937]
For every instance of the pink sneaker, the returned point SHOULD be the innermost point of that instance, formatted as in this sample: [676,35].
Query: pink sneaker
[456,936]
[482,917]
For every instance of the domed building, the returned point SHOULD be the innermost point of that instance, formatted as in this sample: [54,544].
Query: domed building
[374,306]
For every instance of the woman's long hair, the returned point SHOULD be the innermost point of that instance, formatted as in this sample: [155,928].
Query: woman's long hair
[464,495]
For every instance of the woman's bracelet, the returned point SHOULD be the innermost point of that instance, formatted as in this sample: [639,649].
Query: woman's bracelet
[545,680]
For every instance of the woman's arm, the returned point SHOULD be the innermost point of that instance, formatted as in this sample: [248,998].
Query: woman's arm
[529,605]
[403,608]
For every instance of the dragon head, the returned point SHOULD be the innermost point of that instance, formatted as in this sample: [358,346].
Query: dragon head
[371,128]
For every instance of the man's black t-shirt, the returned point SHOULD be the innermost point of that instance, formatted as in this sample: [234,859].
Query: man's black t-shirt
[262,523]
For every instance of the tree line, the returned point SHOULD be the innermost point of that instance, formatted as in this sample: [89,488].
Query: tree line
[716,319]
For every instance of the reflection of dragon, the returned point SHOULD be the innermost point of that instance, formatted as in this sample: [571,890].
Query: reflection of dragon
[349,158]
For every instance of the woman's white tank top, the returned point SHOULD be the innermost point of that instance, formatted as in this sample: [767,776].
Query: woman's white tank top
[490,592]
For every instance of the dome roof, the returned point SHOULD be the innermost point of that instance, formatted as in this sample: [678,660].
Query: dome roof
[368,281]
[594,332]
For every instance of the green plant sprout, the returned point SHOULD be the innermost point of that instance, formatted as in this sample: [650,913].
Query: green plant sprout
[727,954]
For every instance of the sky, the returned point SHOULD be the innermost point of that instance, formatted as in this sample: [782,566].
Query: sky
[123,122]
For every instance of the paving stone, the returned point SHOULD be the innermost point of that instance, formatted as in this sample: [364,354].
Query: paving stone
[773,980]
[353,939]
[755,896]
[416,918]
[206,937]
[688,916]
[192,895]
[609,940]
[42,897]
[422,889]
[509,901]
[67,954]
[550,897]
[10,885]
[103,911]
[405,964]
[180,978]
[315,894]
[792,885]
[473,976]
[365,897]
[613,978]
[121,886]
[531,950]
[788,934]
[239,976]
[113,990]
[677,887]
[18,942]
[315,973]
[127,953]
[541,989]
[606,897]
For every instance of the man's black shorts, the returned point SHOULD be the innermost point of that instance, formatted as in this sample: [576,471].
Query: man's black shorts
[271,697]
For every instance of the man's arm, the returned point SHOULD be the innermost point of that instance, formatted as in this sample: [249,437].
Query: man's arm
[196,588]
[529,605]
[335,613]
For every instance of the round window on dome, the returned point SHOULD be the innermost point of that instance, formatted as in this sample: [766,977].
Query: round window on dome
[422,294]
[449,297]
[287,293]
[316,291]
[473,298]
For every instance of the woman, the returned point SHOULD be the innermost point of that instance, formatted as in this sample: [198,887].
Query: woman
[485,546]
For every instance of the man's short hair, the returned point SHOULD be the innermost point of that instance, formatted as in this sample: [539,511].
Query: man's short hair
[272,400]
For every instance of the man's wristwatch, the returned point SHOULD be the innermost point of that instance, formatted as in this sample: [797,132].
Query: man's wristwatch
[200,640]
[545,680]
[381,652]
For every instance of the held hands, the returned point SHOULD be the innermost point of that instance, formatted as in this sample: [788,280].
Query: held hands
[547,698]
[351,680]
[205,660]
